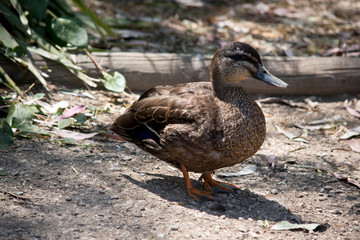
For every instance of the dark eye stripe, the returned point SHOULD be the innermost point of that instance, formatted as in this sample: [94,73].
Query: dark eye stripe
[243,57]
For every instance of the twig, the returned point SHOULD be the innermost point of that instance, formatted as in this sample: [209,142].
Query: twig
[93,60]
[77,173]
[29,88]
[16,196]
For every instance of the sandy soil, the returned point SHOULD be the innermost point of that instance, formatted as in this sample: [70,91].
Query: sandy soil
[107,189]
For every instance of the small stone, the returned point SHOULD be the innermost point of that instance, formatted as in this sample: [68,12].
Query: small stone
[127,158]
[68,199]
[328,188]
[274,191]
[113,197]
[161,235]
[20,193]
[101,192]
[173,228]
[323,198]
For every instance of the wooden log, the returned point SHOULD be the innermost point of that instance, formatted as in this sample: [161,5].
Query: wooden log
[305,75]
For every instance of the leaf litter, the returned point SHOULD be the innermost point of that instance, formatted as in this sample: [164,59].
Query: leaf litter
[290,135]
[285,225]
[250,169]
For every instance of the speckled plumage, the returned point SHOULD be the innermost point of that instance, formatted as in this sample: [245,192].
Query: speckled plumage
[201,126]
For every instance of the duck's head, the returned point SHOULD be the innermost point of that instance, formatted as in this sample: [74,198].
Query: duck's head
[237,61]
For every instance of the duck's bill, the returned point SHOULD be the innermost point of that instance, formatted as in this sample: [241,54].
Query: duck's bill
[264,75]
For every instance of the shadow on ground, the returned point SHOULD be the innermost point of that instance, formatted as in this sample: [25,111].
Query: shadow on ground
[239,204]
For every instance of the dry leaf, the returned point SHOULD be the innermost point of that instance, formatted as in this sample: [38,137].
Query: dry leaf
[69,113]
[285,225]
[355,145]
[351,110]
[334,118]
[351,133]
[347,179]
[74,135]
[281,101]
[245,171]
[291,135]
[316,127]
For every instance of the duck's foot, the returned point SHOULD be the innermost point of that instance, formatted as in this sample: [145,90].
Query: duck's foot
[210,183]
[196,194]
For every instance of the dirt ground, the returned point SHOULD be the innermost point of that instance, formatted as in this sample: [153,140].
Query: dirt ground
[107,189]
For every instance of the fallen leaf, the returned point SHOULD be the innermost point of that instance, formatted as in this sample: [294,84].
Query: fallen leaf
[52,108]
[245,171]
[355,145]
[334,118]
[351,133]
[285,225]
[281,101]
[290,135]
[347,179]
[74,135]
[69,113]
[351,110]
[64,123]
[316,127]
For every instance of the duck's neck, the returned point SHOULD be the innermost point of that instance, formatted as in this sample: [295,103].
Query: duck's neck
[230,93]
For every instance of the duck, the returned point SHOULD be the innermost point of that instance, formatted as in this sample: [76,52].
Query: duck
[203,126]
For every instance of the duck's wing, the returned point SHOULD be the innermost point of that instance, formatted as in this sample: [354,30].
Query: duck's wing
[161,106]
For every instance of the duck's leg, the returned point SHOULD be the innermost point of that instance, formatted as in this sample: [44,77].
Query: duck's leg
[191,191]
[210,182]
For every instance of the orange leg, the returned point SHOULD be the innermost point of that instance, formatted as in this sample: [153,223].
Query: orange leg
[191,191]
[210,182]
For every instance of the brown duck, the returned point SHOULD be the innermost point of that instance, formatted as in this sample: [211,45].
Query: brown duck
[202,126]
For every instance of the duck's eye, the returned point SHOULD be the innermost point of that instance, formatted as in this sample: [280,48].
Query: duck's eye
[264,72]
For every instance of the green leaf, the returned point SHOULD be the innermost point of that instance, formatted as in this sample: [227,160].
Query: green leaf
[21,111]
[9,82]
[6,39]
[12,18]
[2,101]
[36,8]
[38,96]
[63,123]
[69,141]
[6,134]
[69,31]
[2,172]
[28,62]
[114,83]
[81,118]
[27,126]
[23,19]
